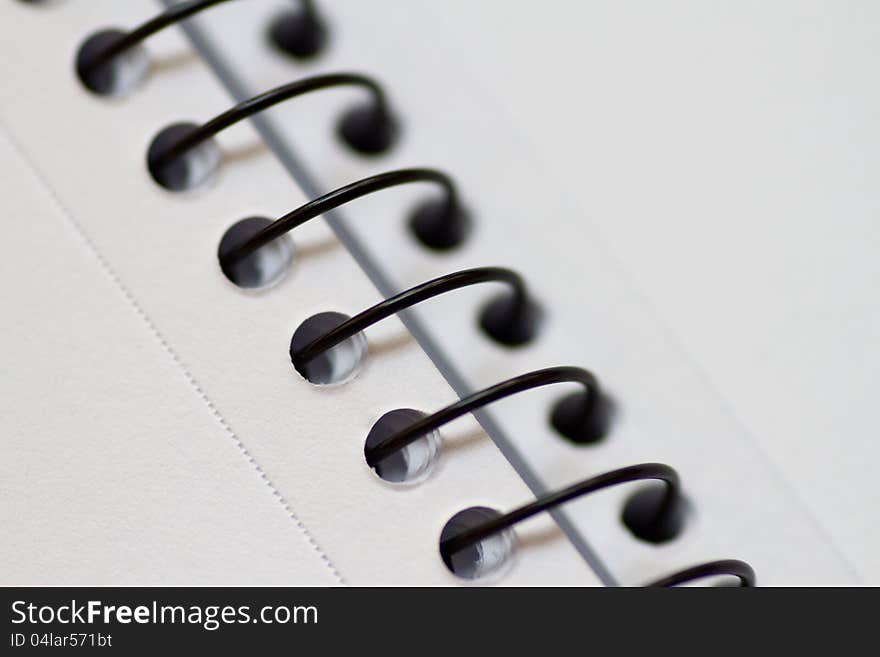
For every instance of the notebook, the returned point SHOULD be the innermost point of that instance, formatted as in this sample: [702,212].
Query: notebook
[158,432]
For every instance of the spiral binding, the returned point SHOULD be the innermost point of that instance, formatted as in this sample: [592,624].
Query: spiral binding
[369,129]
[475,541]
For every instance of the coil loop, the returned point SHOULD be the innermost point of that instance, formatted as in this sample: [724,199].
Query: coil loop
[439,223]
[592,412]
[367,128]
[732,567]
[461,545]
[511,319]
[107,62]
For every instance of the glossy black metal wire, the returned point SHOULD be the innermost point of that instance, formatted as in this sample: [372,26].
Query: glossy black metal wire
[409,298]
[169,17]
[333,200]
[264,101]
[536,379]
[300,33]
[733,567]
[631,473]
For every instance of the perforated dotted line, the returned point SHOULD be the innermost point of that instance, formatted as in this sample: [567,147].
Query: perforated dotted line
[129,297]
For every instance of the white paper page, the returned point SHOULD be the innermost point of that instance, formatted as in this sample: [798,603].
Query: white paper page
[728,151]
[462,94]
[114,469]
[271,463]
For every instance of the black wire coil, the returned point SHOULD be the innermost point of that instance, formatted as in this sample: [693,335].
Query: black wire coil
[654,514]
[97,56]
[369,128]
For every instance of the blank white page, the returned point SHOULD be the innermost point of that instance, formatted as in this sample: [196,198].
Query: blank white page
[114,469]
[728,152]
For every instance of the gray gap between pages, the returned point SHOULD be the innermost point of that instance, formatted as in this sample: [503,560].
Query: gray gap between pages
[303,177]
